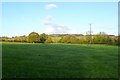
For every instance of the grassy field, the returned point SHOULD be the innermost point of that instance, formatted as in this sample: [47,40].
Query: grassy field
[59,61]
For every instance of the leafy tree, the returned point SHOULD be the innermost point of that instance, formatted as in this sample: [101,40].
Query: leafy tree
[49,40]
[33,37]
[60,40]
[65,39]
[20,38]
[69,39]
[88,37]
[109,40]
[43,37]
[73,39]
[97,39]
[82,41]
[102,38]
[118,40]
[115,40]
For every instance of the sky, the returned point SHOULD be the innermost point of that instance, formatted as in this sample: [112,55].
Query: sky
[22,18]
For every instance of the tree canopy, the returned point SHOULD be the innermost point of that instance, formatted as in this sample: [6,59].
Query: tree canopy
[43,37]
[33,37]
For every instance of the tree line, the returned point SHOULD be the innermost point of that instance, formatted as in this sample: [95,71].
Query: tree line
[33,37]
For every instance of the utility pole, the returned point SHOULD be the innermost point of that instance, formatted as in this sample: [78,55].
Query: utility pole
[90,33]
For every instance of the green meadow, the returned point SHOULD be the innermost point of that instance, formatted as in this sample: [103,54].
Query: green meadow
[23,60]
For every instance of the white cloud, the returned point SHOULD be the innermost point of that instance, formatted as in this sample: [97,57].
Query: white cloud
[60,28]
[49,17]
[51,27]
[47,23]
[56,28]
[73,31]
[51,6]
[48,20]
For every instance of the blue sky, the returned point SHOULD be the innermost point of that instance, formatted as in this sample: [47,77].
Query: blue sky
[21,18]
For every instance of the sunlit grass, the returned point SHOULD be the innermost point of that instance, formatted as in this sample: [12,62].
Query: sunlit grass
[59,61]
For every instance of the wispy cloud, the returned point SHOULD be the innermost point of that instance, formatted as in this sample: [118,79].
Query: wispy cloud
[51,27]
[56,28]
[48,20]
[49,17]
[51,6]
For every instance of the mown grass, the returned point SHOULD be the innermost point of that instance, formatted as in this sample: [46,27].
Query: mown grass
[59,61]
